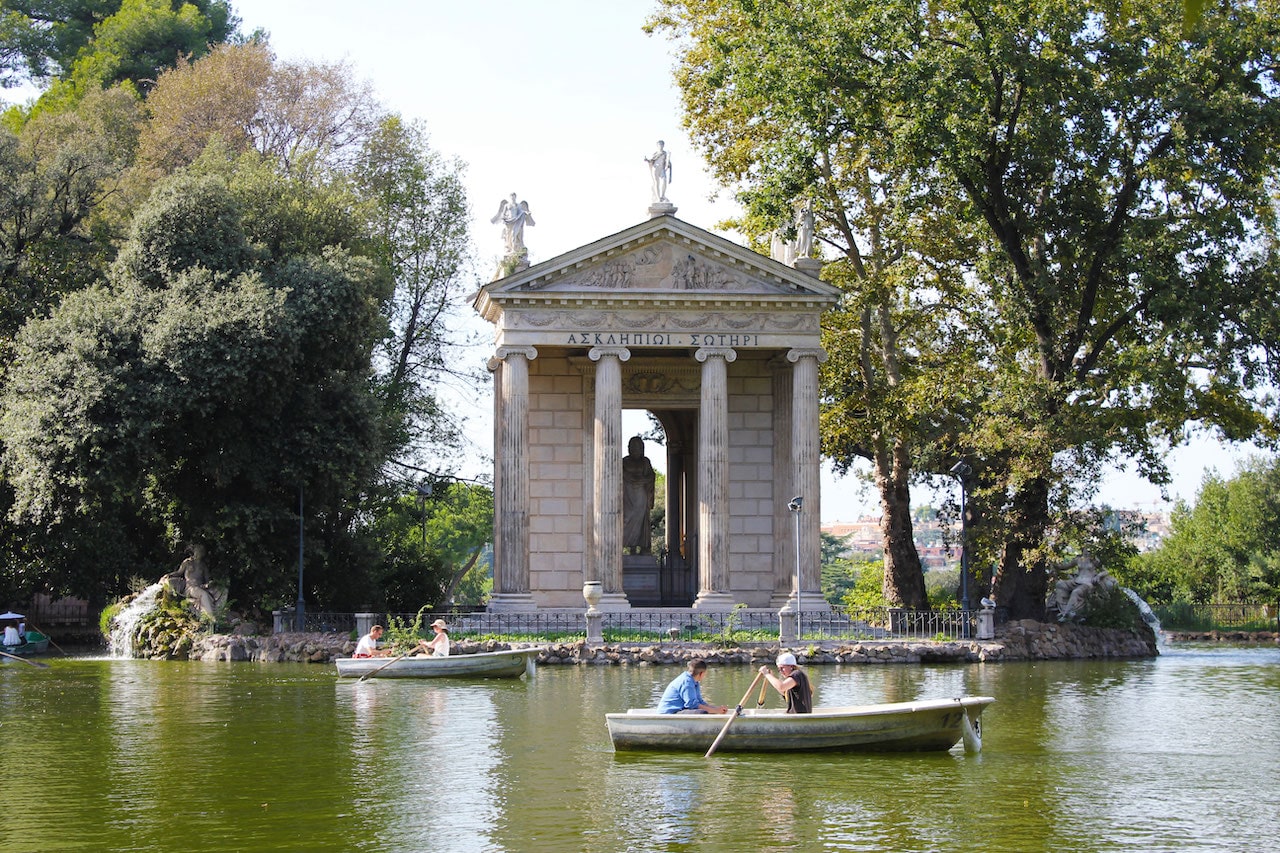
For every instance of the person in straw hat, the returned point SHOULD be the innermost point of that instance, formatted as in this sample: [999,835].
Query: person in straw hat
[437,646]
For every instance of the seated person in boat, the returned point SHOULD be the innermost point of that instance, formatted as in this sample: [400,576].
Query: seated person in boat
[11,636]
[793,683]
[437,646]
[684,694]
[368,645]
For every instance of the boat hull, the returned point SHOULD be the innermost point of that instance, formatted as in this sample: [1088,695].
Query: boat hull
[505,664]
[929,725]
[31,647]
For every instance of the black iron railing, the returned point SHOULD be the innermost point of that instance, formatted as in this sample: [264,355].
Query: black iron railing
[743,625]
[1216,617]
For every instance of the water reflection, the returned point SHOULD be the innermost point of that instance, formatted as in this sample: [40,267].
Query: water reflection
[422,757]
[1176,753]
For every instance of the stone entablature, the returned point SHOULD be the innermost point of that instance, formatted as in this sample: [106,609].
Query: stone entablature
[659,284]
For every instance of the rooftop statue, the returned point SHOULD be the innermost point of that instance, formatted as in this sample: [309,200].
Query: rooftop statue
[514,216]
[659,172]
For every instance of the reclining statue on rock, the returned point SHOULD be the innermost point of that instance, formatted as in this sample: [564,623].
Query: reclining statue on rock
[191,581]
[1072,594]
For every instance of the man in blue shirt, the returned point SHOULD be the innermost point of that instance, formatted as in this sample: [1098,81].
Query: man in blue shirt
[684,694]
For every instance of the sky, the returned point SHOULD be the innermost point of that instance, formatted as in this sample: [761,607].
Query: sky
[559,101]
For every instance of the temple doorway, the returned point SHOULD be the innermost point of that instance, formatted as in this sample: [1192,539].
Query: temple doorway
[662,571]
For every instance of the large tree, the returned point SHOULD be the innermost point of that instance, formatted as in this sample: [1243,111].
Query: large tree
[205,386]
[1222,549]
[57,170]
[103,42]
[1118,174]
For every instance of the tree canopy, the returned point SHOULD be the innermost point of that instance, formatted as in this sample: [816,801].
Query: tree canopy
[1222,549]
[1082,191]
[227,294]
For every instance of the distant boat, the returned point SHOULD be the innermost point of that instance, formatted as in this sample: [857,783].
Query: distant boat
[927,725]
[35,644]
[506,664]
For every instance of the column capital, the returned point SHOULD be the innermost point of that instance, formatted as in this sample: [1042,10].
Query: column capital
[500,355]
[597,353]
[729,354]
[794,355]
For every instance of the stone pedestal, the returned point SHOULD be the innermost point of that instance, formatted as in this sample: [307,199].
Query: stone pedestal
[809,266]
[641,580]
[661,208]
[787,626]
[364,622]
[986,624]
[511,602]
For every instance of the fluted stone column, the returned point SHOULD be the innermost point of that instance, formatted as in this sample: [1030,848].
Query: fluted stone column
[606,560]
[806,469]
[784,540]
[511,520]
[713,480]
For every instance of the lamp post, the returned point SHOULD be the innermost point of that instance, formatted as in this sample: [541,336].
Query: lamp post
[961,470]
[300,613]
[424,492]
[796,503]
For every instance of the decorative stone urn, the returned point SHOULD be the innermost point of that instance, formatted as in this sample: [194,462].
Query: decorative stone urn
[592,592]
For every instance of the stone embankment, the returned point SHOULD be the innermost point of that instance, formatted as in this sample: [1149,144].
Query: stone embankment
[1016,641]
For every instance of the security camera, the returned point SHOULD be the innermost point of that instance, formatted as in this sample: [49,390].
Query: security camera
[796,503]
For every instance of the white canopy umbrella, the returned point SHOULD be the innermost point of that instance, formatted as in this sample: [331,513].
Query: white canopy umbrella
[11,615]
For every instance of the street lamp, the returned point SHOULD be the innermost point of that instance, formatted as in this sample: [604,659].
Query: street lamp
[300,609]
[961,470]
[796,503]
[424,492]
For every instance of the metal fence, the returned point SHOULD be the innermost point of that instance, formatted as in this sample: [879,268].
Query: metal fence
[640,625]
[1216,617]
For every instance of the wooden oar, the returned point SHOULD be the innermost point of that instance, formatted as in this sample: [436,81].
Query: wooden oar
[734,715]
[764,685]
[381,668]
[51,642]
[34,663]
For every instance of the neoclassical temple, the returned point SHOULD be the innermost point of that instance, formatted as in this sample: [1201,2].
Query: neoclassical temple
[720,344]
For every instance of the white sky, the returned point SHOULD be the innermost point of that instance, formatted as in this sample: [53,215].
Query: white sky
[559,101]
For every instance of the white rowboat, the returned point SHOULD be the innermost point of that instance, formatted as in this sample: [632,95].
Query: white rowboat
[512,663]
[927,725]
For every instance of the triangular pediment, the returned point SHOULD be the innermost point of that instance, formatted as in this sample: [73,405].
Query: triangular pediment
[661,259]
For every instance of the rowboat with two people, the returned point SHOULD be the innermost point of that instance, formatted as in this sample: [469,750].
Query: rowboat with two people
[511,663]
[921,726]
[17,640]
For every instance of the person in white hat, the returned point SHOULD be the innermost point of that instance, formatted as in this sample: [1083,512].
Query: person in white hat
[792,683]
[437,646]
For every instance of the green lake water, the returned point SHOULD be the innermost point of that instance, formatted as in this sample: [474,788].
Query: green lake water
[1181,753]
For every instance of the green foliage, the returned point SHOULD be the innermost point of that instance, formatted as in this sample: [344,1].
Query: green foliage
[201,397]
[868,587]
[943,589]
[1112,608]
[135,38]
[402,636]
[1040,209]
[1221,550]
[839,573]
[270,333]
[57,169]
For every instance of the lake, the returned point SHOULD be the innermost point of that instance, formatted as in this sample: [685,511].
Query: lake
[1177,753]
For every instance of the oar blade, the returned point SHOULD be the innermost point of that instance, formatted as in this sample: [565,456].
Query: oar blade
[37,664]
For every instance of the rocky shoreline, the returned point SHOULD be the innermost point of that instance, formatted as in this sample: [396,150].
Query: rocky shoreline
[1015,641]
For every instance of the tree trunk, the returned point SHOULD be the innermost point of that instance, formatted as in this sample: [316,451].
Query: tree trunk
[903,575]
[458,575]
[1021,580]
